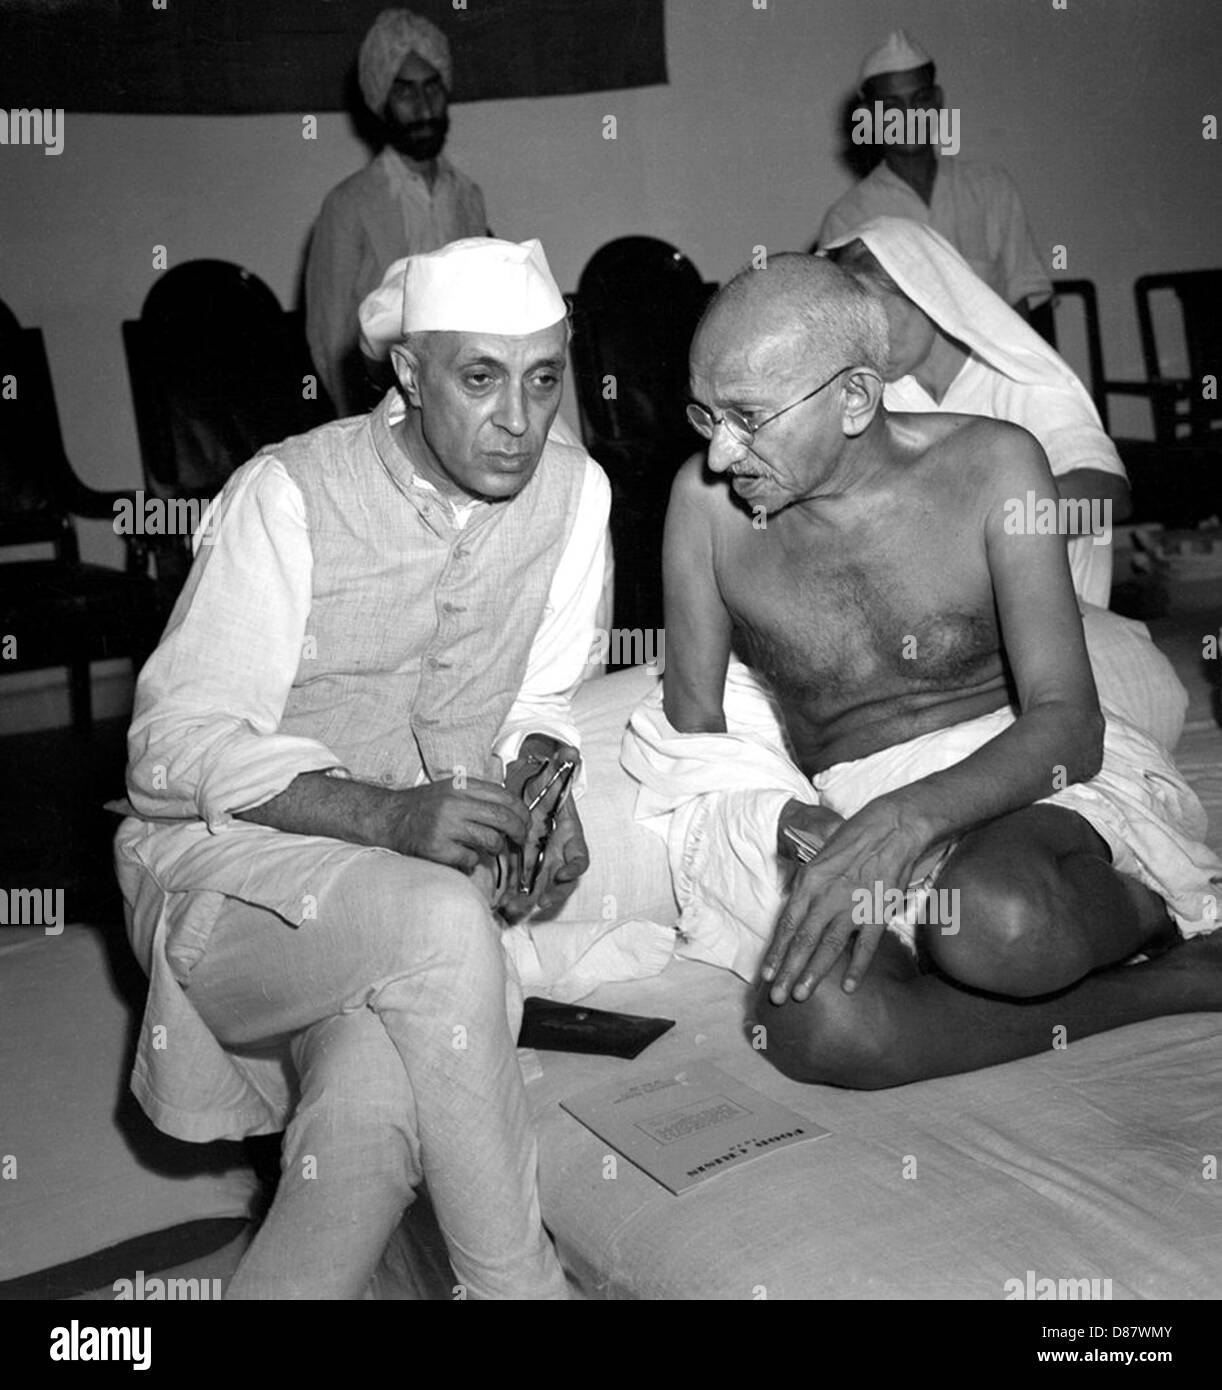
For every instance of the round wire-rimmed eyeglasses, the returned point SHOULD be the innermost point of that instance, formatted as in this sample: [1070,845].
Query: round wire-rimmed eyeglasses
[704,422]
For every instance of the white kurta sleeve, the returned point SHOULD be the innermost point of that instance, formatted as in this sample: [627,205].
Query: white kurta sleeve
[203,741]
[1026,276]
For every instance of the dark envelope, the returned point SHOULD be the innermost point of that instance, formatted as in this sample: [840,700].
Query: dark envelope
[552,1027]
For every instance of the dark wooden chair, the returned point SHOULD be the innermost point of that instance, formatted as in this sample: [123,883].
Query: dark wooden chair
[636,307]
[1176,478]
[58,611]
[1183,412]
[218,369]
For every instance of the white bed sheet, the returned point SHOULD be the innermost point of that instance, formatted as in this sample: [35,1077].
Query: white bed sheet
[1090,1162]
[1087,1162]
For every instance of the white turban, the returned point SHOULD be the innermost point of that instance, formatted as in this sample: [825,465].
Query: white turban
[928,269]
[476,285]
[897,54]
[394,35]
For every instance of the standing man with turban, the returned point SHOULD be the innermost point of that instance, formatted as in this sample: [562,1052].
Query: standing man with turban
[388,610]
[975,206]
[408,199]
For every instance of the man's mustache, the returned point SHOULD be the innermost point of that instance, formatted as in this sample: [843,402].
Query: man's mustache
[419,129]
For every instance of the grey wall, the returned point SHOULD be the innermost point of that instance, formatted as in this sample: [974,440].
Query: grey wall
[1096,110]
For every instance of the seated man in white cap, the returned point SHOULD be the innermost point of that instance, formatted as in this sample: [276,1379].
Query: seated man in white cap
[408,199]
[381,614]
[975,206]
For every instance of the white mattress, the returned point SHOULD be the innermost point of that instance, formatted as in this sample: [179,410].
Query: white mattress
[1087,1163]
[1082,1163]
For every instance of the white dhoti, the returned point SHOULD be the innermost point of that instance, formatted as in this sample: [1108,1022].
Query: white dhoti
[715,799]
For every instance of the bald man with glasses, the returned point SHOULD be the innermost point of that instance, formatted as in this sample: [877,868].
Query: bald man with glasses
[741,429]
[940,829]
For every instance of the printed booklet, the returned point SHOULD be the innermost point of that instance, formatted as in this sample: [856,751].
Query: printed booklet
[689,1124]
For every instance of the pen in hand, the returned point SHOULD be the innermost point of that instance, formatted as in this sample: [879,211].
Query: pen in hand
[564,775]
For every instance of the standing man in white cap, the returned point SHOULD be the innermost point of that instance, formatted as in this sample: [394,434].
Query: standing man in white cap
[388,610]
[408,199]
[974,206]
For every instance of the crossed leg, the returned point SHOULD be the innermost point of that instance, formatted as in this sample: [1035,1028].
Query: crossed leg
[1044,923]
[394,999]
[350,1166]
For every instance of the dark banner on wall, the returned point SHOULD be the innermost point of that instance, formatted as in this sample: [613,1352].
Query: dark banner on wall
[229,57]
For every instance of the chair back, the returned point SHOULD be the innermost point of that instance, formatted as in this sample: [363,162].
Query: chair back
[637,305]
[34,469]
[217,370]
[636,308]
[1186,416]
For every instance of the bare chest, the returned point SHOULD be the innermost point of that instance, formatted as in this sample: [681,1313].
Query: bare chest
[837,627]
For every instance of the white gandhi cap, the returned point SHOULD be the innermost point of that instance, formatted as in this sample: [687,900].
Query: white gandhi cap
[476,285]
[897,54]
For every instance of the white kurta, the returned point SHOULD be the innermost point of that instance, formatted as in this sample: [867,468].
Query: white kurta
[974,206]
[204,744]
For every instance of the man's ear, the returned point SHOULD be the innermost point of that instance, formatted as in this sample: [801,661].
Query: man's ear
[407,367]
[861,398]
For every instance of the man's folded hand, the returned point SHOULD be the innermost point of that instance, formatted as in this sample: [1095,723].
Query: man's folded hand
[453,822]
[877,847]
